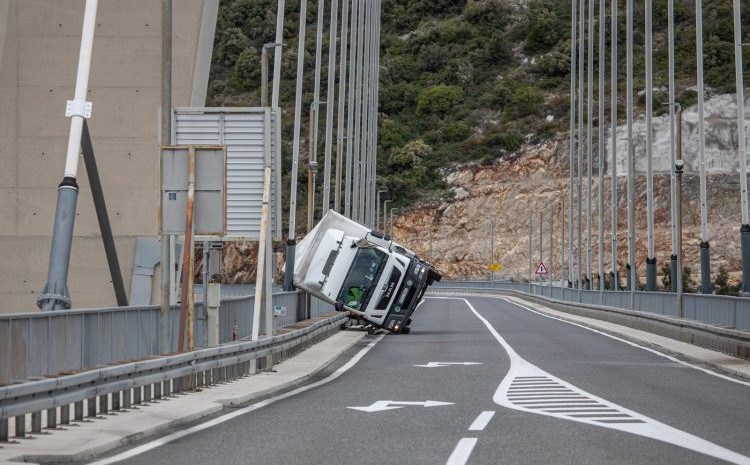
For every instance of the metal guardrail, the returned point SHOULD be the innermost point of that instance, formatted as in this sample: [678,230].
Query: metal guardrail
[39,344]
[719,310]
[134,383]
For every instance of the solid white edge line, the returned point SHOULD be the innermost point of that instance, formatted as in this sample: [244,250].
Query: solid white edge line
[224,418]
[611,336]
[631,343]
[482,420]
[462,452]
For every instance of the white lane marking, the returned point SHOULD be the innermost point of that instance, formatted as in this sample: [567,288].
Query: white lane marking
[445,364]
[462,451]
[631,343]
[382,405]
[624,420]
[482,420]
[218,420]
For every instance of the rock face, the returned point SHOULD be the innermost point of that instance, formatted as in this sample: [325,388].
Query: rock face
[531,187]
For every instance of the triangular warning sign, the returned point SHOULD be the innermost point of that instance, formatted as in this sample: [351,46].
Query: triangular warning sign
[541,269]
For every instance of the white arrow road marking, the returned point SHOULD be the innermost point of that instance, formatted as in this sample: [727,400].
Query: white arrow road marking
[530,389]
[445,364]
[381,405]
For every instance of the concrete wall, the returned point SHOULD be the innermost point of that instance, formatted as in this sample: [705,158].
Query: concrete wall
[38,62]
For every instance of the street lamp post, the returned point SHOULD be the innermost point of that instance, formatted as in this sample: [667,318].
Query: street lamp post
[377,208]
[392,210]
[385,212]
[264,72]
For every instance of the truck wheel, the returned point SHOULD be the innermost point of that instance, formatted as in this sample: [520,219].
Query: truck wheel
[408,322]
[406,330]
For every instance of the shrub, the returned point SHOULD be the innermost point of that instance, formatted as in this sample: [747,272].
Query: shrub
[439,99]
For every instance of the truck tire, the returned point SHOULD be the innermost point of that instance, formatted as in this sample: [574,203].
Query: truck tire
[406,330]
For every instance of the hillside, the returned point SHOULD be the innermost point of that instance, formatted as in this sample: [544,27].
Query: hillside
[473,116]
[465,81]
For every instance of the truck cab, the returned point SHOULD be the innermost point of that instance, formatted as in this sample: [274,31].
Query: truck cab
[363,272]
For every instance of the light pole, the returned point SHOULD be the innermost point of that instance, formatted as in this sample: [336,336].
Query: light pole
[745,227]
[392,210]
[329,107]
[291,238]
[342,96]
[650,257]
[264,71]
[385,212]
[377,212]
[55,295]
[705,259]
[614,280]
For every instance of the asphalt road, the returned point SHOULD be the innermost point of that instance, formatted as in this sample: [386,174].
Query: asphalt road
[533,390]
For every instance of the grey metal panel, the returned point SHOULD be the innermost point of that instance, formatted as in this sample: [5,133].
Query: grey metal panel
[209,206]
[133,333]
[57,343]
[242,131]
[6,352]
[91,340]
[74,343]
[319,307]
[39,332]
[289,301]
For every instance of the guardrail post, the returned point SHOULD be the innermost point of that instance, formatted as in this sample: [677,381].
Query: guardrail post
[137,395]
[167,388]
[91,404]
[78,411]
[157,390]
[176,385]
[127,399]
[3,430]
[52,418]
[65,414]
[103,404]
[21,426]
[147,393]
[36,422]
[116,401]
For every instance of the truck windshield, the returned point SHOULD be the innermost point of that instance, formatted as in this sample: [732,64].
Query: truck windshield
[362,277]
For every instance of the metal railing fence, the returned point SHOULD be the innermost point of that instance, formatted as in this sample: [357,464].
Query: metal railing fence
[130,384]
[720,310]
[40,344]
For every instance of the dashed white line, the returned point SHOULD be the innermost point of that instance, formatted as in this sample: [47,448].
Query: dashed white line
[462,452]
[482,420]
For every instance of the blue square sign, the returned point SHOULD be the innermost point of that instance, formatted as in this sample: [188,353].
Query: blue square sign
[173,196]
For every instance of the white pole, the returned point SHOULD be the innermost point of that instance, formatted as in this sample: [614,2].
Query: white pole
[589,139]
[613,128]
[82,83]
[291,239]
[342,97]
[350,165]
[329,105]
[650,258]
[55,295]
[277,54]
[572,144]
[631,153]
[602,148]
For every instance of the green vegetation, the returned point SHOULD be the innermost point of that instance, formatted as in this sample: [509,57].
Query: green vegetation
[465,80]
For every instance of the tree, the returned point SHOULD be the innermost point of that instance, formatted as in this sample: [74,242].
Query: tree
[666,276]
[722,284]
[439,99]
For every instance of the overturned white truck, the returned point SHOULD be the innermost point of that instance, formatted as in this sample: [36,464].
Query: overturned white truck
[362,271]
